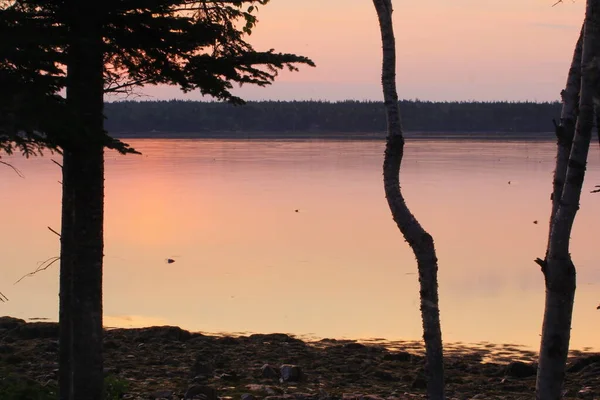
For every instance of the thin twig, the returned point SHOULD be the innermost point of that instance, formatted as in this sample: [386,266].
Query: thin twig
[14,169]
[558,2]
[3,298]
[56,162]
[43,266]
[53,231]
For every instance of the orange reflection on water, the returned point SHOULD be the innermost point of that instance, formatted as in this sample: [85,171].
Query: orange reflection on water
[245,260]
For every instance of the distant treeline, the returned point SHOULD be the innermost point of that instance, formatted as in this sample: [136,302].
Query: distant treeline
[132,117]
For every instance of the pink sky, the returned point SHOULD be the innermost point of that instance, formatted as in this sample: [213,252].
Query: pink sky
[447,49]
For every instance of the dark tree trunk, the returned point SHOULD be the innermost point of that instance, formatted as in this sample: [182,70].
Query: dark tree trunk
[566,130]
[419,240]
[558,268]
[81,367]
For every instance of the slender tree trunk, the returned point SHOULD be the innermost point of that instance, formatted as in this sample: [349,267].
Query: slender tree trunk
[566,130]
[65,362]
[419,240]
[81,367]
[558,268]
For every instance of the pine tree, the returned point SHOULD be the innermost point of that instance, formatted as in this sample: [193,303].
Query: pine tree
[86,49]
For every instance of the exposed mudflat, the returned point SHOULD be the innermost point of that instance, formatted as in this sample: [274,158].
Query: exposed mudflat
[170,363]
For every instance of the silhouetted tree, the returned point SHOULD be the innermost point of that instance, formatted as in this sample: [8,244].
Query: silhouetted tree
[573,141]
[117,45]
[419,240]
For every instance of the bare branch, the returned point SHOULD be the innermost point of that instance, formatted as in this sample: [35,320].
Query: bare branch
[56,162]
[53,231]
[3,298]
[42,267]
[13,168]
[541,263]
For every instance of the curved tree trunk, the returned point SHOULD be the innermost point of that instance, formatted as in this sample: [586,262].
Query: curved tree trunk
[419,240]
[81,369]
[558,268]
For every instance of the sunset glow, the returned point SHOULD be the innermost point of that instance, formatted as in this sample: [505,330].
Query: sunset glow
[458,50]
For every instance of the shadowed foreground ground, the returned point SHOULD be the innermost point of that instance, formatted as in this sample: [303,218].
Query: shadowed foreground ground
[171,363]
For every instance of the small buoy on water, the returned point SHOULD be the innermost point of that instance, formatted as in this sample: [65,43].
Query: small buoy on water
[535,222]
[170,261]
[297,210]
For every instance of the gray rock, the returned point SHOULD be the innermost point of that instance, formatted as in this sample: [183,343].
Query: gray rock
[304,396]
[229,376]
[161,394]
[385,376]
[199,379]
[9,323]
[273,338]
[202,367]
[350,367]
[110,345]
[358,396]
[165,333]
[200,392]
[253,387]
[36,330]
[290,373]
[581,363]
[354,346]
[269,372]
[419,383]
[518,369]
[398,356]
[586,393]
[229,341]
[280,397]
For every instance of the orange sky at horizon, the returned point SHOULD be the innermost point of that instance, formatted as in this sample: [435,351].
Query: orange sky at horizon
[447,50]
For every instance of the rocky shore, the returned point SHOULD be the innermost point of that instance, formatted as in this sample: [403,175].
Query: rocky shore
[171,363]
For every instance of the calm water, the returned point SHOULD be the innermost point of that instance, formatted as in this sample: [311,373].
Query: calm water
[246,261]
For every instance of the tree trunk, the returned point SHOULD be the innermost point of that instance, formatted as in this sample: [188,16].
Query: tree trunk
[566,130]
[558,268]
[419,240]
[81,367]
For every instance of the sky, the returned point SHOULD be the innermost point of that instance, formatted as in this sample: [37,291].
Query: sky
[447,50]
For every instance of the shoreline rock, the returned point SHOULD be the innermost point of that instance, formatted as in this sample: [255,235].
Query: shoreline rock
[173,363]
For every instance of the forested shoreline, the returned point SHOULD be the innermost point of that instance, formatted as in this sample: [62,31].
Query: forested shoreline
[364,119]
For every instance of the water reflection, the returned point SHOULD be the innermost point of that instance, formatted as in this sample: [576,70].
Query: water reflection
[247,261]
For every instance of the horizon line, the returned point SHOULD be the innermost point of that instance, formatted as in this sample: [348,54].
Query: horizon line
[416,100]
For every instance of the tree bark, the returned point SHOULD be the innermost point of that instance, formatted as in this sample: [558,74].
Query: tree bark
[419,240]
[80,316]
[558,268]
[566,130]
